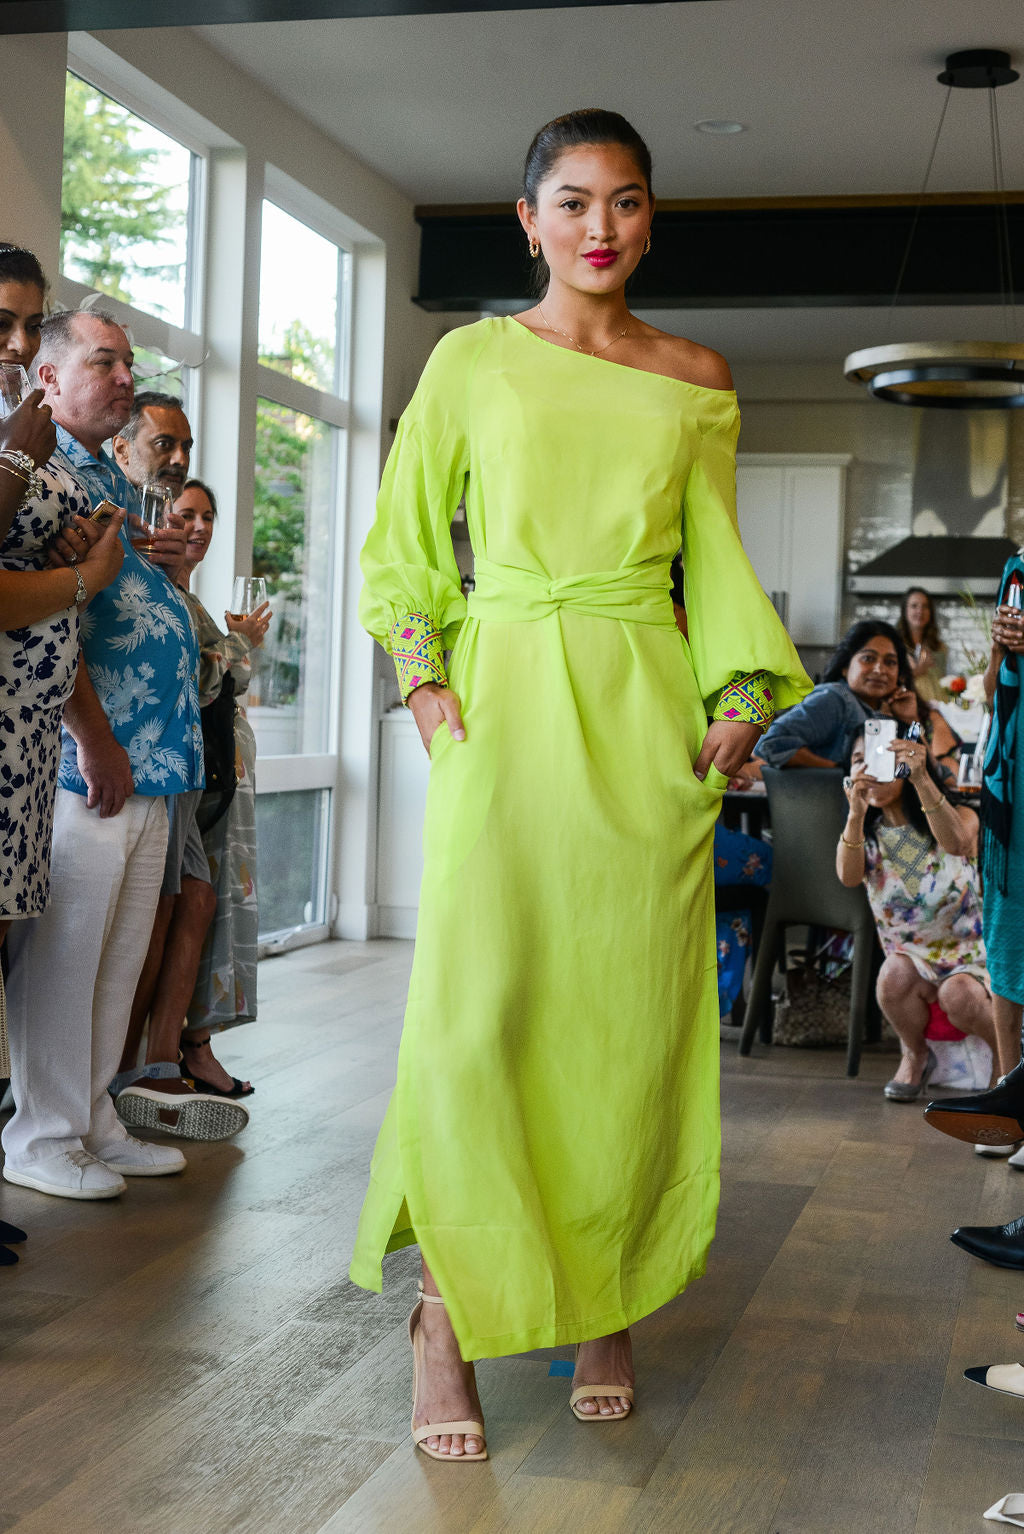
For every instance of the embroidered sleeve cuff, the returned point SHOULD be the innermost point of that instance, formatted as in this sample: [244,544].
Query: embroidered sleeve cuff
[746,700]
[418,653]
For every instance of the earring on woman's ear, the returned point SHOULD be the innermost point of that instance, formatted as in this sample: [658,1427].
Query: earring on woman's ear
[647,244]
[534,250]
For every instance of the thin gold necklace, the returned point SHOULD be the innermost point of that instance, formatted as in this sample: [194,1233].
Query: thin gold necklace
[585,350]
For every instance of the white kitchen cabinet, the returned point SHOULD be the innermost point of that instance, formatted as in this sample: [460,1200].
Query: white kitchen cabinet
[403,771]
[790,508]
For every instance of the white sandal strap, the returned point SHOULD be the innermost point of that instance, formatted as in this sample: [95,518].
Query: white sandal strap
[428,1299]
[583,1391]
[435,1429]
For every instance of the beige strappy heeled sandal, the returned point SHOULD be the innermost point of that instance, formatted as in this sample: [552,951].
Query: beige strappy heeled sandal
[583,1392]
[435,1429]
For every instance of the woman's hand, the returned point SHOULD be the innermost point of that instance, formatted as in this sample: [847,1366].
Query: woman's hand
[901,705]
[432,706]
[106,555]
[254,625]
[913,754]
[1008,631]
[727,746]
[76,540]
[919,664]
[30,429]
[856,791]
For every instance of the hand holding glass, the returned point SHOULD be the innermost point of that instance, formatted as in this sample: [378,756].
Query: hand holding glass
[154,514]
[13,386]
[250,592]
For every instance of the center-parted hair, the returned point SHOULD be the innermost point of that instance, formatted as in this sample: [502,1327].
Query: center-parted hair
[575,130]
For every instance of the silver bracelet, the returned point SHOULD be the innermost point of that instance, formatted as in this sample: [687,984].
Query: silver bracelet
[24,466]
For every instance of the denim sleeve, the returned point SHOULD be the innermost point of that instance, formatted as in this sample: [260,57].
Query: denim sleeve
[816,723]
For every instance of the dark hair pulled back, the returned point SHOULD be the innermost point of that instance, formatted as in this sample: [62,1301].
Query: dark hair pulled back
[855,639]
[20,265]
[590,125]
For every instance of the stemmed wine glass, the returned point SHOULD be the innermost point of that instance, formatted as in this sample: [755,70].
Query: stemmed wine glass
[13,386]
[250,592]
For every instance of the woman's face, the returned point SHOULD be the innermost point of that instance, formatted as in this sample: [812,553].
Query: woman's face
[592,217]
[194,505]
[919,610]
[874,672]
[879,794]
[21,314]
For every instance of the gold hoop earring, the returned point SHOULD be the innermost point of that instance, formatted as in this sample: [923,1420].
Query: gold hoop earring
[534,250]
[647,245]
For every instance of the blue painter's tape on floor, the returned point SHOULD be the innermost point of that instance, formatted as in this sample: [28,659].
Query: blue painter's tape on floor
[562,1366]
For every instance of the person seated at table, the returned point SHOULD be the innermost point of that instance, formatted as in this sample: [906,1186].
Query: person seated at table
[916,853]
[739,861]
[867,675]
[929,659]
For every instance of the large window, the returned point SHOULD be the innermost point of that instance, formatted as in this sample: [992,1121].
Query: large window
[131,207]
[301,421]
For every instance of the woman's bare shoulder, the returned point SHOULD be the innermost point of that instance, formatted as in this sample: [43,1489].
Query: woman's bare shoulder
[688,360]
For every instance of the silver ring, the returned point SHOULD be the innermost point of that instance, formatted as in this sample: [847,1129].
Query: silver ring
[72,558]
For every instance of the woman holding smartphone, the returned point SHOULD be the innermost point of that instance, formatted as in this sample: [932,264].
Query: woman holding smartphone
[916,854]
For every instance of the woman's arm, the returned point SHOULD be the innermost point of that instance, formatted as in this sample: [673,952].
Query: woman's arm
[954,834]
[28,429]
[796,737]
[850,847]
[30,596]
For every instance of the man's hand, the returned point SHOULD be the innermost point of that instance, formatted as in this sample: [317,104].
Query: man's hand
[727,745]
[108,775]
[30,429]
[170,544]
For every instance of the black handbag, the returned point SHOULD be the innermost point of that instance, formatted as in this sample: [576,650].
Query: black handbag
[218,722]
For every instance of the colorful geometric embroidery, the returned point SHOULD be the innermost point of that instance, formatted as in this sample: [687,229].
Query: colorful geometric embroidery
[418,653]
[747,700]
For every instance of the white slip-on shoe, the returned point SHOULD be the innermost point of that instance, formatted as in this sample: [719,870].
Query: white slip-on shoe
[1017,1159]
[1009,1509]
[174,1107]
[997,1151]
[136,1158]
[68,1174]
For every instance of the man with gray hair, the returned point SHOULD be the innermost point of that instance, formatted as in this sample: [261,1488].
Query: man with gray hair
[132,739]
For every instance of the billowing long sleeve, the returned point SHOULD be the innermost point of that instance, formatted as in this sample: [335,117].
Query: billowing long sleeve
[407,561]
[732,624]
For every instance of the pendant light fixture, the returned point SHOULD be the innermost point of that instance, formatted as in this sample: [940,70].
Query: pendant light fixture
[956,375]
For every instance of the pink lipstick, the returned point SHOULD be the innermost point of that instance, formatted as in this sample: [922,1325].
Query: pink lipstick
[601,258]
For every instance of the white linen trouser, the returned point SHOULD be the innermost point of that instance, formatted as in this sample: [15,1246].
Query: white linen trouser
[73,975]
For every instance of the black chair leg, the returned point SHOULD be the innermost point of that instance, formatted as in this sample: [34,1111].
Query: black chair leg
[759,1000]
[860,994]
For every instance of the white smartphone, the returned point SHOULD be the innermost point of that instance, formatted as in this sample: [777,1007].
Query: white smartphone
[879,761]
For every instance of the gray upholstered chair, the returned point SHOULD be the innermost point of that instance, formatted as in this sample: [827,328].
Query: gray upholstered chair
[808,812]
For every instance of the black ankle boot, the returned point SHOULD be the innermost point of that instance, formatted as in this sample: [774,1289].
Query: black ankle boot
[995,1117]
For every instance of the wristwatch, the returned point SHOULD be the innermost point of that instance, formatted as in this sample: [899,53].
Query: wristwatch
[81,595]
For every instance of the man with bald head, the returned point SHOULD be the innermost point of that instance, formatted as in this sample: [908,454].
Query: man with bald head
[132,740]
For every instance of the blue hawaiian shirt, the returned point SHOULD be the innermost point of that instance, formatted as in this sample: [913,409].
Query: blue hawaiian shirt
[141,653]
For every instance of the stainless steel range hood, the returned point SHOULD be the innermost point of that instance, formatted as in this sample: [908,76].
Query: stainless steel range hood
[943,565]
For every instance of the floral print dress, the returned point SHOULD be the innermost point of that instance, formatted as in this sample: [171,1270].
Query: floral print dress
[926,904]
[225,992]
[37,674]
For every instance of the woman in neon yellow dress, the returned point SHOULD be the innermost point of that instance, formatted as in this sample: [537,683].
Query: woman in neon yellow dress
[552,1143]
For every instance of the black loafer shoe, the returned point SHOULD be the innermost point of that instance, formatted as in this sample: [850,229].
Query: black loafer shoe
[10,1235]
[1001,1245]
[995,1117]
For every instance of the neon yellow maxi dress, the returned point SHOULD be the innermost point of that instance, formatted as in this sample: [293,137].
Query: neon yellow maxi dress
[553,1140]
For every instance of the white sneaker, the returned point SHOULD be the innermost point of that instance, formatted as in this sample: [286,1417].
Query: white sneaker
[1001,1150]
[69,1174]
[137,1158]
[1017,1159]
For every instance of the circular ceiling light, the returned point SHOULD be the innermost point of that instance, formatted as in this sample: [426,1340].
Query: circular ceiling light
[955,375]
[719,126]
[950,375]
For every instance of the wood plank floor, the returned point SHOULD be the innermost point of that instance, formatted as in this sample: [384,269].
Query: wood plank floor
[191,1359]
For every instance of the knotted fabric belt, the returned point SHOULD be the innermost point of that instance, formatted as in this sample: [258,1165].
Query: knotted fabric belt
[631,594]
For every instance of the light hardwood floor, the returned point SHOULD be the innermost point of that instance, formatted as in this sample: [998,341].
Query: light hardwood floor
[191,1359]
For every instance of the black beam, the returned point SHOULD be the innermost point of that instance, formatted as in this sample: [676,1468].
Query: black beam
[102,15]
[760,257]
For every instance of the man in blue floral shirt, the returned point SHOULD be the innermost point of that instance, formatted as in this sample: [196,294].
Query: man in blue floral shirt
[132,738]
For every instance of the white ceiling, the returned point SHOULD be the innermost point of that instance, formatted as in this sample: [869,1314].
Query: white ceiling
[839,97]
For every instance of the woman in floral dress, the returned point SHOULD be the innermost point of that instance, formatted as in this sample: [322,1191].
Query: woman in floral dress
[916,853]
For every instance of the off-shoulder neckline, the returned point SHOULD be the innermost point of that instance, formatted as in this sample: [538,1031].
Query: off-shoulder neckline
[623,367]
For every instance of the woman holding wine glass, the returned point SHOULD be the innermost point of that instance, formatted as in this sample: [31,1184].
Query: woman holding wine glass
[225,993]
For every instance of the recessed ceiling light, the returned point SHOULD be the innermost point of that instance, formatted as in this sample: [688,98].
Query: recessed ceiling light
[719,125]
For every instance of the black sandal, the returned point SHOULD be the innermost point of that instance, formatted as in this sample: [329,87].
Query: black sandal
[236,1090]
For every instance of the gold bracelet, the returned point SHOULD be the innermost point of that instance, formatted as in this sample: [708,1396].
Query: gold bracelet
[930,809]
[853,845]
[16,472]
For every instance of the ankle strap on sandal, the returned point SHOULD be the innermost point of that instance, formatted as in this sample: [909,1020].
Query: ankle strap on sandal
[428,1299]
